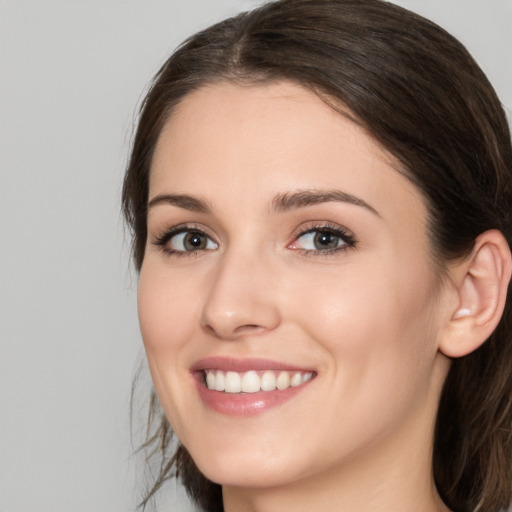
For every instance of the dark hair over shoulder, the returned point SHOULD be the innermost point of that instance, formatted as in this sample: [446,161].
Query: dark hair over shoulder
[418,92]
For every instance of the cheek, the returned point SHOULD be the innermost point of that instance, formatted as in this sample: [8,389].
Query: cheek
[165,308]
[354,300]
[378,336]
[167,318]
[376,327]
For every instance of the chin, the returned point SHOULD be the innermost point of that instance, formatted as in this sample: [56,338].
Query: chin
[248,468]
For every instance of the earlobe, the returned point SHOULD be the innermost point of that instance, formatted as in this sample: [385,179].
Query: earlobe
[481,284]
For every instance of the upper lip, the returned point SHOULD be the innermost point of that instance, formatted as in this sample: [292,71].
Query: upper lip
[243,365]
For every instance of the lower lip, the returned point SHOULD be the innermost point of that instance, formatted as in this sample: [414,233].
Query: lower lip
[244,404]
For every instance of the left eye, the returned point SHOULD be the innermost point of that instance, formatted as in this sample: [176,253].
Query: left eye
[190,241]
[321,240]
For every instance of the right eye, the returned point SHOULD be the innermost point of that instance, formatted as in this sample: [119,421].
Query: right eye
[186,241]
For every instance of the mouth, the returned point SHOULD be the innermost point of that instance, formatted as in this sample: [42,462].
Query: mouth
[254,381]
[247,387]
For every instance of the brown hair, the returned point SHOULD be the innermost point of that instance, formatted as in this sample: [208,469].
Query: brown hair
[419,93]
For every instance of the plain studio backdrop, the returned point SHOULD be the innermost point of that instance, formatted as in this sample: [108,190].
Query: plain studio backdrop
[72,73]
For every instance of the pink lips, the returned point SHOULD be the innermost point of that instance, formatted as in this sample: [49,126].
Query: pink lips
[243,404]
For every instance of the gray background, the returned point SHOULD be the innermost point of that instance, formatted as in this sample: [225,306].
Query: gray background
[71,74]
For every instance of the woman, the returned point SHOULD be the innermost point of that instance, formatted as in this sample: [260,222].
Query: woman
[320,193]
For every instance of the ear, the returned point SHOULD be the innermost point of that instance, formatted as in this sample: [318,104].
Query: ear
[480,282]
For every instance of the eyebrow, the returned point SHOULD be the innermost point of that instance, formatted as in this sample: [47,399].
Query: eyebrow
[280,204]
[304,198]
[194,204]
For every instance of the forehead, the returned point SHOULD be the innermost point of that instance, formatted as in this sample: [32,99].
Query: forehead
[263,140]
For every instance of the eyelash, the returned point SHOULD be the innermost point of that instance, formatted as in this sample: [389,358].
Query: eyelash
[163,240]
[349,241]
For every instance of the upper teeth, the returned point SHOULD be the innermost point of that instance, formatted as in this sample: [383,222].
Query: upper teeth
[253,381]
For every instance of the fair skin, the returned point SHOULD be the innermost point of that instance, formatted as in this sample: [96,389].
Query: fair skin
[341,286]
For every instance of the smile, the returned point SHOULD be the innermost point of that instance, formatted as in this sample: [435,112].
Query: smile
[245,387]
[253,381]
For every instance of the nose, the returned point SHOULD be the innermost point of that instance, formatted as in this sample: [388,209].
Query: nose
[241,299]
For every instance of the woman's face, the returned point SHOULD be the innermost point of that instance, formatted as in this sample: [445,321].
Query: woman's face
[287,264]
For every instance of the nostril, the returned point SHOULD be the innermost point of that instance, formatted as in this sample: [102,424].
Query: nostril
[248,328]
[235,333]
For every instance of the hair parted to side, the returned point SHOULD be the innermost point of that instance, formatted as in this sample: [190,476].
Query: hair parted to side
[418,92]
